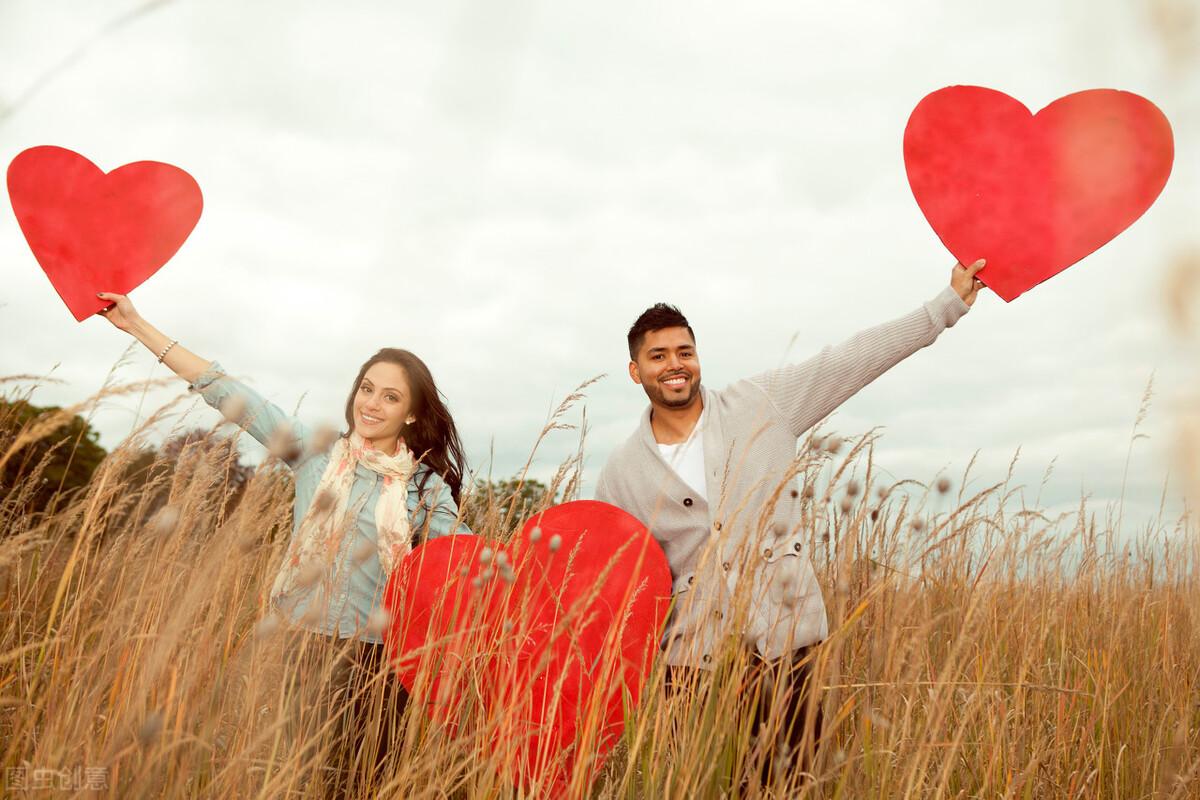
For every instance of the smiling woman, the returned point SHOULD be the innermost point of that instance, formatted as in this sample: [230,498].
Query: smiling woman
[394,475]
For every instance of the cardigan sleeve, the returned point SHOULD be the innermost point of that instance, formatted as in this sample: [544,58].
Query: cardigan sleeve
[282,434]
[807,392]
[603,494]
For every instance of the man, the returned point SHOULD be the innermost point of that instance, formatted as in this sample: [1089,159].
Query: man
[712,474]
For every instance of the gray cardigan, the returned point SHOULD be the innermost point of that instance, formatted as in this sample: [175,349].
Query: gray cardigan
[738,555]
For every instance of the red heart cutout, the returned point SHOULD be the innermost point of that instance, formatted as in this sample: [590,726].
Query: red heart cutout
[93,232]
[550,651]
[1033,193]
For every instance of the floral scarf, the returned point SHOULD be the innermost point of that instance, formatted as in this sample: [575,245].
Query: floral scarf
[314,548]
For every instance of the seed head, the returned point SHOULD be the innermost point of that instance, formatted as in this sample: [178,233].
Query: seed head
[150,729]
[943,485]
[322,439]
[507,626]
[809,492]
[378,621]
[485,555]
[833,444]
[309,574]
[852,489]
[363,551]
[266,627]
[323,501]
[845,505]
[881,492]
[917,524]
[164,522]
[313,614]
[535,534]
[501,558]
[555,543]
[282,443]
[233,409]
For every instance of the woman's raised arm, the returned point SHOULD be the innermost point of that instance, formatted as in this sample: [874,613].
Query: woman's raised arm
[283,435]
[179,359]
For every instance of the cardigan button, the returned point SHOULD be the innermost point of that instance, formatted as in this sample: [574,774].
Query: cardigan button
[768,553]
[725,566]
[796,546]
[687,501]
[707,658]
[691,579]
[717,525]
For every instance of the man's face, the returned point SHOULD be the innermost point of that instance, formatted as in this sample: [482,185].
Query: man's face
[667,368]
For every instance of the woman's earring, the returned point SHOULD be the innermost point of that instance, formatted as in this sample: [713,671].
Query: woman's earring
[410,420]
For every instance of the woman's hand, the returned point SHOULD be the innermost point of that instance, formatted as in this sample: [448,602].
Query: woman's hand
[178,359]
[121,313]
[963,281]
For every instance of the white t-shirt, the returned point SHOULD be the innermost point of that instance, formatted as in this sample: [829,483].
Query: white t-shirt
[687,458]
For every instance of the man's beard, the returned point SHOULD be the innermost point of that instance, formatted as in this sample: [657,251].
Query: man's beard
[658,396]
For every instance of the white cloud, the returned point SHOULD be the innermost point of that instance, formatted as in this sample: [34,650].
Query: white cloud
[502,188]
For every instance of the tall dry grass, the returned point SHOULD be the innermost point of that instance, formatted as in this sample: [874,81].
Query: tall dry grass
[978,649]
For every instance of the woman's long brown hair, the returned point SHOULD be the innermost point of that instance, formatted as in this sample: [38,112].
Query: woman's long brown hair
[433,437]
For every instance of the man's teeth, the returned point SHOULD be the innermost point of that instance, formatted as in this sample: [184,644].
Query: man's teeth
[675,381]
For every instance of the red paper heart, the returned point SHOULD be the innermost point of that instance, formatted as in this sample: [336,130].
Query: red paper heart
[553,653]
[93,232]
[1033,194]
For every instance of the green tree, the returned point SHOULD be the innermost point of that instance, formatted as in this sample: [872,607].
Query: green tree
[38,464]
[504,503]
[152,469]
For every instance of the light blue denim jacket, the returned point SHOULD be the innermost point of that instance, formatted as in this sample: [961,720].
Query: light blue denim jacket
[357,587]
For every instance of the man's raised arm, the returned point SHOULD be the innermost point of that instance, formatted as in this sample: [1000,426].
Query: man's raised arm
[807,392]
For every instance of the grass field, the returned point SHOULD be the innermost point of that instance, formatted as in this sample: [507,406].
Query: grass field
[978,649]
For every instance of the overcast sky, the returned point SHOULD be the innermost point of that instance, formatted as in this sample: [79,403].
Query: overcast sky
[502,187]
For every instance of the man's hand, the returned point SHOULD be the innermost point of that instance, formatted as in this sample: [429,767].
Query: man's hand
[963,281]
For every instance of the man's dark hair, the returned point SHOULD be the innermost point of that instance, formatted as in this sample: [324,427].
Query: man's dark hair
[655,318]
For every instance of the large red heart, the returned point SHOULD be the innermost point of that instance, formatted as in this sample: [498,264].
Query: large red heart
[547,637]
[93,232]
[1033,193]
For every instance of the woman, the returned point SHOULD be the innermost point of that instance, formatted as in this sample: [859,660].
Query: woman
[391,480]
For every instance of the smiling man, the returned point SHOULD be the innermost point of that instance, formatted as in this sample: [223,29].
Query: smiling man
[711,473]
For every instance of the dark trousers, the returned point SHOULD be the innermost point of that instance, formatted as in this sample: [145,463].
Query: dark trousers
[783,704]
[347,700]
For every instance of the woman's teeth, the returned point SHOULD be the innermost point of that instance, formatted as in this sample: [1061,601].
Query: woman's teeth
[370,420]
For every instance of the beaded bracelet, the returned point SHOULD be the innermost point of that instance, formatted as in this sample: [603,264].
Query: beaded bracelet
[166,349]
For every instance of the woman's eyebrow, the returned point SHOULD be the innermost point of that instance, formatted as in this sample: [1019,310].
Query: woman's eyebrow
[385,388]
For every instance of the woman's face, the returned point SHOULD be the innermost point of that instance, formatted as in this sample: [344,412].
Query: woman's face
[383,405]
